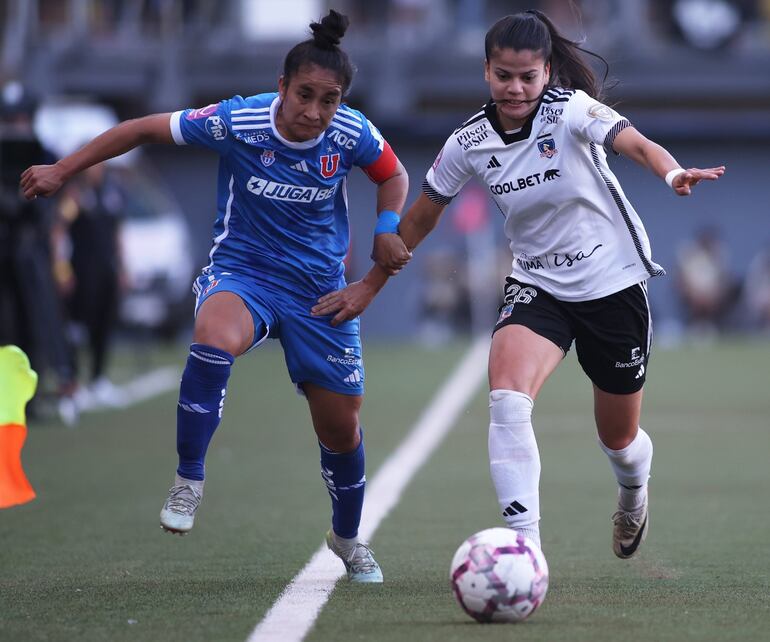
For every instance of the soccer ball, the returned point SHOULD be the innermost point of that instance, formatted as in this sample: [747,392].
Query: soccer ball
[498,575]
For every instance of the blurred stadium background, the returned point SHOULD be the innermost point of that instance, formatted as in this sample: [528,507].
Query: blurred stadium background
[85,561]
[691,74]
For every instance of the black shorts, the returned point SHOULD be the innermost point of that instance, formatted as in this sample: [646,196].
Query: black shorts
[613,335]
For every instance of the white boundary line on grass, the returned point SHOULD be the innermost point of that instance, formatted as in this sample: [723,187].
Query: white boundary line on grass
[298,606]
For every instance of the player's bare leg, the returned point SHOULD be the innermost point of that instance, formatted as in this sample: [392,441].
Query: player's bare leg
[629,450]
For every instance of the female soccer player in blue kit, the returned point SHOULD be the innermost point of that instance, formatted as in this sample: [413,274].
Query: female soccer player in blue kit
[280,237]
[581,259]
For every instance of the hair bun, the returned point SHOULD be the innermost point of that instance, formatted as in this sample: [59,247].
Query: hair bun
[328,33]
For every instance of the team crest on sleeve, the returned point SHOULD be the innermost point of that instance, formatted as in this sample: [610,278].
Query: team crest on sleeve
[600,112]
[329,164]
[216,127]
[195,114]
[547,148]
[267,157]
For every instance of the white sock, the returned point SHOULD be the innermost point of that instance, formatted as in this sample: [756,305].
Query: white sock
[514,460]
[631,466]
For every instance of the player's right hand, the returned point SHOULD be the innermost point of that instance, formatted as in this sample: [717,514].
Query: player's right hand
[41,180]
[390,253]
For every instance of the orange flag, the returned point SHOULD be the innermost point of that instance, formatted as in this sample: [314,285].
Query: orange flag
[17,385]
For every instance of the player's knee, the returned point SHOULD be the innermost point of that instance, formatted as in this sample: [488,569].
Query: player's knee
[506,406]
[340,437]
[223,337]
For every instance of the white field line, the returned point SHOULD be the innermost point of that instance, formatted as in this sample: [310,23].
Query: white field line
[150,385]
[298,606]
[145,386]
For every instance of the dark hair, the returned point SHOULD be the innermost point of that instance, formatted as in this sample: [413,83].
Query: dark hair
[322,50]
[534,31]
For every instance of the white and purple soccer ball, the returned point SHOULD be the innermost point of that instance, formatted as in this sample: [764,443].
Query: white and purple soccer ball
[498,575]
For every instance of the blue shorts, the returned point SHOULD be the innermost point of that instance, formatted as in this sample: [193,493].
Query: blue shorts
[315,351]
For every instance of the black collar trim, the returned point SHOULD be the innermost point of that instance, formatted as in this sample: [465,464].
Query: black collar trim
[523,134]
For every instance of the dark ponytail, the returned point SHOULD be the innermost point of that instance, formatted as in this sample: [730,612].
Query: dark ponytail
[534,31]
[323,50]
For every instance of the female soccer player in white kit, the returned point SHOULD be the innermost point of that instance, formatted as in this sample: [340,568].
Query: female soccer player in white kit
[581,258]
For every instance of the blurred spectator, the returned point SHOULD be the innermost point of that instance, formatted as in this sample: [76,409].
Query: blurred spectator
[29,308]
[706,24]
[705,282]
[756,290]
[90,274]
[445,303]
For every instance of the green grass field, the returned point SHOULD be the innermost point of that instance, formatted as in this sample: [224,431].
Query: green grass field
[86,560]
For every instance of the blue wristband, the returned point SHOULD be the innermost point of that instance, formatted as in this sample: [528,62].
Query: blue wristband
[387,222]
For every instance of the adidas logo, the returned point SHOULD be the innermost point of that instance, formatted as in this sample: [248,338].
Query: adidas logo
[354,377]
[193,407]
[514,508]
[300,167]
[493,163]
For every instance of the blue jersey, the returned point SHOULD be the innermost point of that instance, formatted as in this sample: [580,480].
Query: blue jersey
[282,212]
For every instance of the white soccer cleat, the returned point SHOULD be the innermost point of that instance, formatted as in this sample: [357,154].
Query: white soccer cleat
[359,561]
[178,513]
[630,530]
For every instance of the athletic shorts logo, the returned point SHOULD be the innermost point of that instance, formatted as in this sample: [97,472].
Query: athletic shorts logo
[267,157]
[210,287]
[329,164]
[505,312]
[637,359]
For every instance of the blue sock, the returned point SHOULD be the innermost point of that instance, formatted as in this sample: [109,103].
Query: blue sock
[201,399]
[345,481]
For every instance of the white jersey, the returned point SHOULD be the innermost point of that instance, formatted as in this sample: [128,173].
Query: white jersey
[571,228]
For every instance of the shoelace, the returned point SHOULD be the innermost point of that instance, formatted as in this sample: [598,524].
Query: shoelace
[183,499]
[361,559]
[628,522]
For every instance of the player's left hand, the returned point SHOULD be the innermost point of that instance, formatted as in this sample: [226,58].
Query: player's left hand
[684,183]
[390,253]
[345,304]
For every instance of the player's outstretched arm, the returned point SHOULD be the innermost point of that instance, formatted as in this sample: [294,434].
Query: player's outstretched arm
[388,247]
[45,180]
[352,300]
[657,159]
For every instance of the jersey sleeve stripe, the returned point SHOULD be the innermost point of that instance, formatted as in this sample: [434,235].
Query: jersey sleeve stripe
[250,110]
[433,195]
[254,118]
[347,120]
[176,128]
[265,125]
[349,113]
[347,130]
[609,139]
[652,270]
